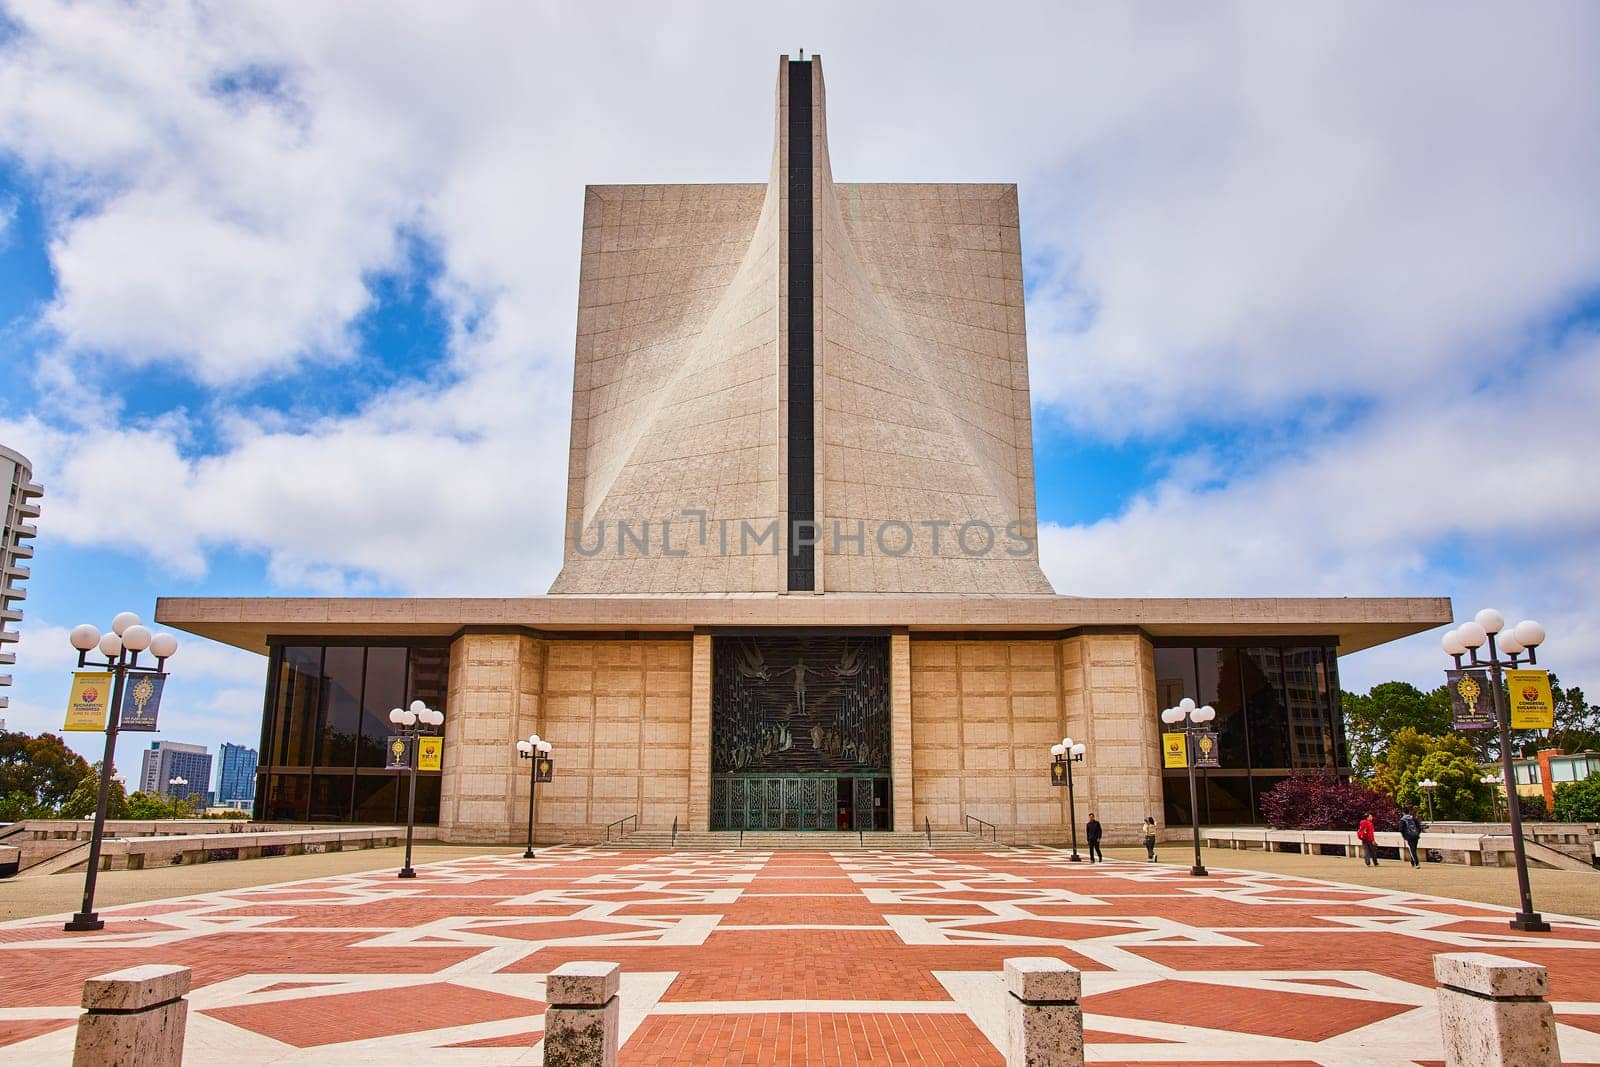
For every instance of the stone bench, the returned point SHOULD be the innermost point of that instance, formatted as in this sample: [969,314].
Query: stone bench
[137,853]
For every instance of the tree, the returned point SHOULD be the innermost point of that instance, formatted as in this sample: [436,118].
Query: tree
[82,802]
[37,774]
[1451,760]
[1373,718]
[1579,801]
[1325,802]
[144,806]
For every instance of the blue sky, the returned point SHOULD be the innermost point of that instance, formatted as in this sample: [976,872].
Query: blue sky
[287,293]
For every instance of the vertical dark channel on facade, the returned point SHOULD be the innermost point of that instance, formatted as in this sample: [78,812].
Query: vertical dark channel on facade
[801,435]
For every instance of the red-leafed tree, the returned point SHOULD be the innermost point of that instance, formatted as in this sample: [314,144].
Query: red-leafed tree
[1323,802]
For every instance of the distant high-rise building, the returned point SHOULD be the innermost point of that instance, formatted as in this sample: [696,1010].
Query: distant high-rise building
[236,782]
[18,493]
[166,760]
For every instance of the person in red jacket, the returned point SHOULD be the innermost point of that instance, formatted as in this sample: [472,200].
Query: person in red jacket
[1366,833]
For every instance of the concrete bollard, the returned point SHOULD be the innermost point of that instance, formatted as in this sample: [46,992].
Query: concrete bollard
[582,1022]
[1044,1024]
[136,1018]
[1492,1011]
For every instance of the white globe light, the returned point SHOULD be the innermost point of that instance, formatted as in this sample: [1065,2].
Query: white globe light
[136,638]
[1057,750]
[110,645]
[1172,715]
[433,717]
[1472,635]
[1205,714]
[524,747]
[1491,620]
[544,746]
[1078,749]
[123,621]
[1066,742]
[397,716]
[163,646]
[1530,633]
[84,637]
[418,705]
[1187,704]
[1509,643]
[533,739]
[1452,644]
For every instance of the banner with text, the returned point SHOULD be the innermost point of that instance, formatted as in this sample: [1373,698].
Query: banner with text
[430,753]
[141,702]
[1174,751]
[1532,707]
[1470,706]
[1206,749]
[87,704]
[399,754]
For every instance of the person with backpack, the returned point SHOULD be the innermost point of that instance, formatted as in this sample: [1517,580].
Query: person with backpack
[1149,839]
[1411,829]
[1093,831]
[1367,834]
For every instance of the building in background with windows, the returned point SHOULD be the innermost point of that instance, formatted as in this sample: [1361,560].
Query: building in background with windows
[1538,776]
[236,776]
[800,586]
[19,496]
[166,760]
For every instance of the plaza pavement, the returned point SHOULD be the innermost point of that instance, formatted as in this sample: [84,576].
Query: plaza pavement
[792,957]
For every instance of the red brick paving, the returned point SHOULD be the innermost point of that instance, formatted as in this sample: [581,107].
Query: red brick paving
[310,1021]
[814,1038]
[814,935]
[1302,1016]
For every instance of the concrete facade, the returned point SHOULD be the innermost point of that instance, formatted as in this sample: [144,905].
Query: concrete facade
[686,423]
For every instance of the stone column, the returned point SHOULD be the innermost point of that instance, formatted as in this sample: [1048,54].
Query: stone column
[1108,691]
[900,731]
[136,1018]
[1044,1023]
[581,1025]
[700,735]
[1492,1012]
[496,689]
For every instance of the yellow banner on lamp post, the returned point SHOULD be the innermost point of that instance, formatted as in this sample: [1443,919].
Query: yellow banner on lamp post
[1532,707]
[430,753]
[87,704]
[1174,751]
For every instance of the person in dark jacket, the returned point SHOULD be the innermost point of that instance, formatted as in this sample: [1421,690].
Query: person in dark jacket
[1410,831]
[1367,834]
[1093,831]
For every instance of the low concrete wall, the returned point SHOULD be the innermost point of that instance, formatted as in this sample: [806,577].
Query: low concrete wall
[1473,850]
[137,853]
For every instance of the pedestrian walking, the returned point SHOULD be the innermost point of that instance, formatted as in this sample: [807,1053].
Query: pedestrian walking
[1149,839]
[1411,829]
[1093,831]
[1367,834]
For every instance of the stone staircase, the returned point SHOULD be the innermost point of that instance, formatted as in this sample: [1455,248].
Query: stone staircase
[802,841]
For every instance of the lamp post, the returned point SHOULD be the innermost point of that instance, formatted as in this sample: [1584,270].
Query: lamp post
[120,650]
[410,722]
[1192,719]
[1494,794]
[535,750]
[175,790]
[1428,785]
[1067,753]
[1525,637]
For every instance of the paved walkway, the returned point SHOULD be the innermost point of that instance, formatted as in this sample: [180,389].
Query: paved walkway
[758,958]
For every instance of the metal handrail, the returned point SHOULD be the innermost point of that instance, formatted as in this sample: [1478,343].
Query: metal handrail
[618,825]
[927,828]
[994,831]
[674,831]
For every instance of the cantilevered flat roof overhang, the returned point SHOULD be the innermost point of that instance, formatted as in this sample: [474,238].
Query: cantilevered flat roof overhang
[1357,622]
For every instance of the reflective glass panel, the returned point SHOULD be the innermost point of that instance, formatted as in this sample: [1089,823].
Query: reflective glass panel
[341,703]
[1263,698]
[1219,686]
[294,717]
[384,691]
